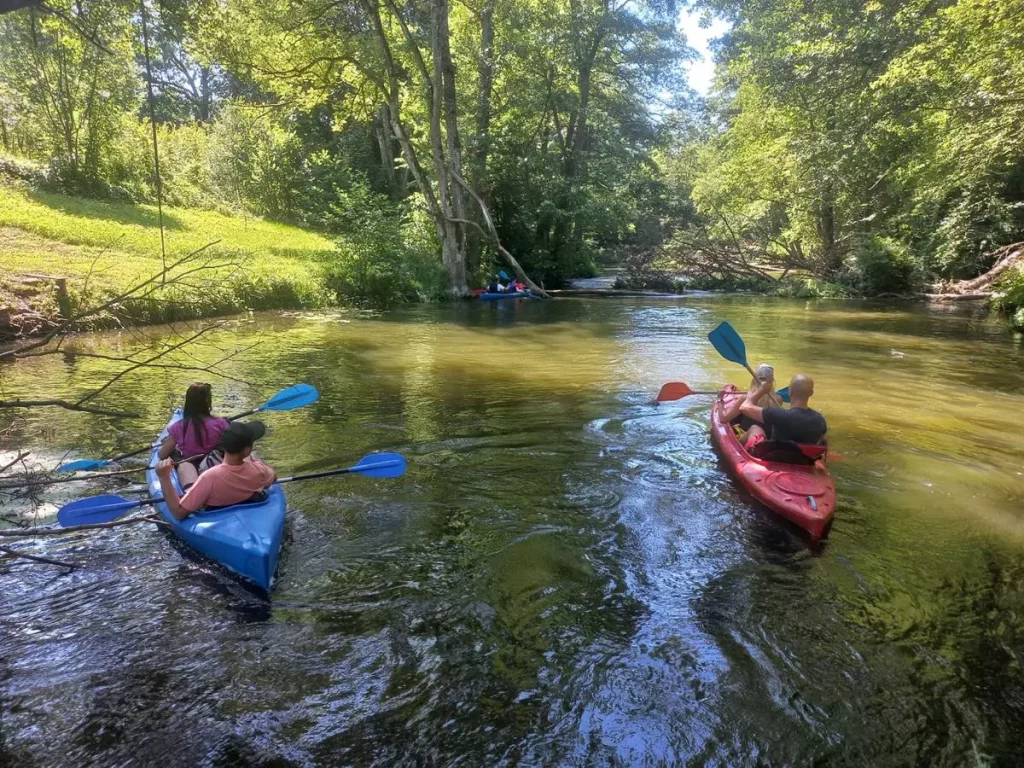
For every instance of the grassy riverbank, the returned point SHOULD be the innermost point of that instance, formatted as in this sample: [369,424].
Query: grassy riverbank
[106,247]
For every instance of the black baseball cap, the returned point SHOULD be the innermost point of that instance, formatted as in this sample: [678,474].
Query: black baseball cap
[241,435]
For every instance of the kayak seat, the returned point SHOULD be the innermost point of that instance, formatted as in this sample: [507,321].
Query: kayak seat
[253,501]
[785,452]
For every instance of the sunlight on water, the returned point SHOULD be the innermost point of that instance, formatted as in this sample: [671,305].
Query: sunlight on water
[566,575]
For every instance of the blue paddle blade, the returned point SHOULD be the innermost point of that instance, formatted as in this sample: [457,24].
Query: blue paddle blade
[381,465]
[729,344]
[83,465]
[502,275]
[294,397]
[96,509]
[784,394]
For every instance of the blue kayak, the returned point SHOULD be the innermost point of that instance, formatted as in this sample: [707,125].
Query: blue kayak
[244,538]
[496,296]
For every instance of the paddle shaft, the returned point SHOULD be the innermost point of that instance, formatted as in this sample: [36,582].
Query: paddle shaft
[328,473]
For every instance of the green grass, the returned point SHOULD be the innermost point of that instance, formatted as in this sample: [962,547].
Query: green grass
[265,264]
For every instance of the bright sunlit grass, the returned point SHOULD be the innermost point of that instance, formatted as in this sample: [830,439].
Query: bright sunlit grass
[274,265]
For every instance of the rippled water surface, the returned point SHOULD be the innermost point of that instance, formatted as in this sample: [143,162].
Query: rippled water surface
[566,575]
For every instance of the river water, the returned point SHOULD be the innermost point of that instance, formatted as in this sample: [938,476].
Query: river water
[566,575]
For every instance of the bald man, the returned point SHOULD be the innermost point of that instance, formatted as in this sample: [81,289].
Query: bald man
[800,423]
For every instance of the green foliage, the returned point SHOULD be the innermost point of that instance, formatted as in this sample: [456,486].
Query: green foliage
[69,95]
[875,137]
[882,265]
[387,258]
[1010,297]
[20,170]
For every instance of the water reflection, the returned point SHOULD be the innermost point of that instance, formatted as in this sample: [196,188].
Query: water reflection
[566,575]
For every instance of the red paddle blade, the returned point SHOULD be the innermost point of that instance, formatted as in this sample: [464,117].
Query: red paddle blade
[675,390]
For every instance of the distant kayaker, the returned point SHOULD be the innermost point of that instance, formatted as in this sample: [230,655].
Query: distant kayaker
[763,374]
[237,479]
[799,423]
[195,435]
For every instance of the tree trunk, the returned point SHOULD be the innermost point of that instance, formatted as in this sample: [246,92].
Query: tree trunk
[206,96]
[442,104]
[382,129]
[482,150]
[831,257]
[568,230]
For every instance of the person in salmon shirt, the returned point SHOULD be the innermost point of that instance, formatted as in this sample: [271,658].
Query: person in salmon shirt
[237,479]
[197,434]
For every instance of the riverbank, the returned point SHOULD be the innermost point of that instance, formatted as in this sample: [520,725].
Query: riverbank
[56,249]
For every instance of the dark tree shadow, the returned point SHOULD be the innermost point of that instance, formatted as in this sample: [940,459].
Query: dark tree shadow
[122,213]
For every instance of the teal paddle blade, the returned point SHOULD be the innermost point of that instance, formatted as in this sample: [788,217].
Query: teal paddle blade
[784,394]
[289,399]
[381,465]
[502,275]
[83,465]
[96,509]
[729,344]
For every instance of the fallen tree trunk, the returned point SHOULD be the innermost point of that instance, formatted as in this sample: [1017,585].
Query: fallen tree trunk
[1007,257]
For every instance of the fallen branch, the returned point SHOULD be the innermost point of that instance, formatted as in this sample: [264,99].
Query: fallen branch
[138,292]
[18,458]
[1006,258]
[66,406]
[93,476]
[33,532]
[45,560]
[492,235]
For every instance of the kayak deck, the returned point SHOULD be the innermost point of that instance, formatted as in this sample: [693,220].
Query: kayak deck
[244,538]
[803,494]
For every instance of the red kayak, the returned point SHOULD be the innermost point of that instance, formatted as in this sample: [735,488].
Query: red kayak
[803,494]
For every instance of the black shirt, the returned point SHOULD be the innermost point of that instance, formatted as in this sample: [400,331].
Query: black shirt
[801,425]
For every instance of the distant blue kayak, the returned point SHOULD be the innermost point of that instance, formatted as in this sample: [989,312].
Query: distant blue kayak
[498,296]
[244,538]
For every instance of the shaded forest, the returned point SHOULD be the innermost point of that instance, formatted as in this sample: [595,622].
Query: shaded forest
[845,148]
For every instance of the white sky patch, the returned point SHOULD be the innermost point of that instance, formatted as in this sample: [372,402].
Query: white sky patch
[700,73]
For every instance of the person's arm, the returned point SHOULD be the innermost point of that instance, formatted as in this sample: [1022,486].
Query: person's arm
[167,448]
[750,408]
[170,493]
[733,411]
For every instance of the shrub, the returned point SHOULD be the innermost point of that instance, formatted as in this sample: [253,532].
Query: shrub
[881,265]
[1010,297]
[388,256]
[20,170]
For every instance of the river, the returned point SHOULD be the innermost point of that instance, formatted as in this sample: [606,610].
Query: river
[566,575]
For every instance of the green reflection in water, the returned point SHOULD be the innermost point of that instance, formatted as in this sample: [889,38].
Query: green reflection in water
[566,573]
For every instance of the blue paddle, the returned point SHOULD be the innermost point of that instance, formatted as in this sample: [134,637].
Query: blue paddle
[502,275]
[104,509]
[730,346]
[288,399]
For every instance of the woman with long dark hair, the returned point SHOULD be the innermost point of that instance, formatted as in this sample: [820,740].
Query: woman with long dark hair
[195,435]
